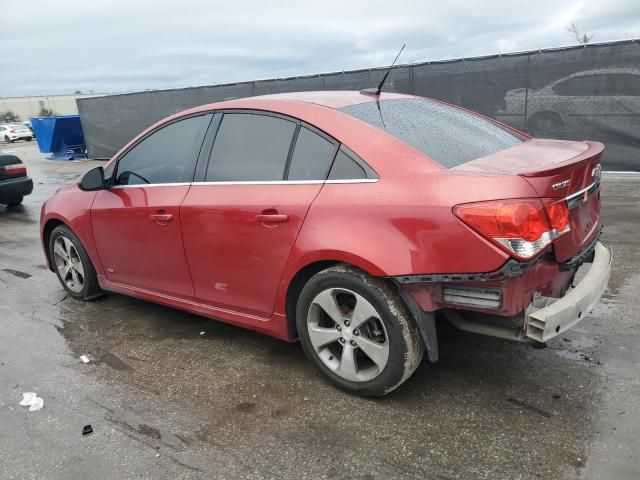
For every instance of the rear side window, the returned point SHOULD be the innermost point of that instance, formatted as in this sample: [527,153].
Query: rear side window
[250,147]
[346,168]
[446,134]
[166,156]
[312,156]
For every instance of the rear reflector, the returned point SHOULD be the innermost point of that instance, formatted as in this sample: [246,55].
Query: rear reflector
[475,297]
[15,169]
[522,227]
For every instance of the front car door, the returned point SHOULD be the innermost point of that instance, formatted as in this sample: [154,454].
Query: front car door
[241,220]
[136,222]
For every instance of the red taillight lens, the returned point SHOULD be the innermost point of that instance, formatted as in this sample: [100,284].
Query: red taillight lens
[558,213]
[522,227]
[16,169]
[506,219]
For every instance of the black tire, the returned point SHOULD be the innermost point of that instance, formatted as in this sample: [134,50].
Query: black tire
[405,346]
[6,139]
[29,139]
[14,202]
[90,287]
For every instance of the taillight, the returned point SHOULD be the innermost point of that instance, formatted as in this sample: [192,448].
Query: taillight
[12,131]
[16,169]
[521,227]
[558,213]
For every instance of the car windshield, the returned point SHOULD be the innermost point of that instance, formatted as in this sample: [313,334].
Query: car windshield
[448,135]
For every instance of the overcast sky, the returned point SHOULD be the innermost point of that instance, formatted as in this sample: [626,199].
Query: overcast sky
[53,47]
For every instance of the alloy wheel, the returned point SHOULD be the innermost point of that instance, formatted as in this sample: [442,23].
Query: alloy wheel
[348,334]
[69,264]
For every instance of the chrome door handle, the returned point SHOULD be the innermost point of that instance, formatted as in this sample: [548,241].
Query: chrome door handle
[272,218]
[161,218]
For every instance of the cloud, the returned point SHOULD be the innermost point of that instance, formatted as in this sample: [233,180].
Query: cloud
[115,46]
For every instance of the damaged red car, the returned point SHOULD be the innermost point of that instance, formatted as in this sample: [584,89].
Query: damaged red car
[349,221]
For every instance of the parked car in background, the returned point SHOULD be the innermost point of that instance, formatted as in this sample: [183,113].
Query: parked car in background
[13,132]
[347,220]
[28,125]
[606,101]
[14,182]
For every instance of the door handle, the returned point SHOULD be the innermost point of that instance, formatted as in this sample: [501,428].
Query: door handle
[161,218]
[272,218]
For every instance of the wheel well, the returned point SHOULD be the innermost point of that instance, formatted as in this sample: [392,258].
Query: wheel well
[46,235]
[295,287]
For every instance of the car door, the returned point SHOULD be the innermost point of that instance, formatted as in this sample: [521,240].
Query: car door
[241,220]
[136,222]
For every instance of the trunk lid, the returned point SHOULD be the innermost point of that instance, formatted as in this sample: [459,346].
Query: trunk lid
[556,169]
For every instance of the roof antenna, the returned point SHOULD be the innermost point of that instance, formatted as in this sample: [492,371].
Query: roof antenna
[378,89]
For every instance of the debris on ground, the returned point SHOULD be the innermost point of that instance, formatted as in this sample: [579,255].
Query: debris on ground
[87,430]
[84,359]
[32,400]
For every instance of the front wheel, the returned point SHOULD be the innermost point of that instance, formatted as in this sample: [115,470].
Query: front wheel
[72,264]
[357,331]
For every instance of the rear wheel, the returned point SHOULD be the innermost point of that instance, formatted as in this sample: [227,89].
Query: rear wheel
[357,331]
[72,264]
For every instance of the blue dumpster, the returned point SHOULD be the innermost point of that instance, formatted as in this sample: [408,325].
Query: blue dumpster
[61,136]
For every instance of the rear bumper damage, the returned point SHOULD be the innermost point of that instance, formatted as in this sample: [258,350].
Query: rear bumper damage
[532,304]
[548,317]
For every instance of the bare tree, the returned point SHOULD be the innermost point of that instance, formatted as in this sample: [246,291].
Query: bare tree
[582,38]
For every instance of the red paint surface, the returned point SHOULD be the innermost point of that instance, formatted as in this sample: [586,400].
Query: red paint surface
[217,257]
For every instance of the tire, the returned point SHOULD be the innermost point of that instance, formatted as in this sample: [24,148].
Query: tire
[83,284]
[29,139]
[382,343]
[6,139]
[14,202]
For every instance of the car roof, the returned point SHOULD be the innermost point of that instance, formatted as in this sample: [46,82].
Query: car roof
[331,98]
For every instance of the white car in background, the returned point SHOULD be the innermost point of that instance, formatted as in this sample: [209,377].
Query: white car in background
[13,132]
[605,100]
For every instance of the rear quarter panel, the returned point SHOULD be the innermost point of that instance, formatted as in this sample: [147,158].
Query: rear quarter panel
[402,226]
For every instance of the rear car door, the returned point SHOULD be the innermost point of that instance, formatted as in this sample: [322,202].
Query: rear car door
[136,222]
[241,219]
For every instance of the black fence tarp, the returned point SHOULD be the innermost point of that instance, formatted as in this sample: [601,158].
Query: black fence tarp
[583,93]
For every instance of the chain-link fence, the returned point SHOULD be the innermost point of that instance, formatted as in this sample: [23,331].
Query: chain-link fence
[585,92]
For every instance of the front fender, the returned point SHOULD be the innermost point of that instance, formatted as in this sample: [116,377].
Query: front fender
[71,207]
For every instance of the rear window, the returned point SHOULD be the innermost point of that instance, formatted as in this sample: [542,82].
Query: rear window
[448,135]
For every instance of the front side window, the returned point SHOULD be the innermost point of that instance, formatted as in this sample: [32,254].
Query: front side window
[250,147]
[312,156]
[168,155]
[448,135]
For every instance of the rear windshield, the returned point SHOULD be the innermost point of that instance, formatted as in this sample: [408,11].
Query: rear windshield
[448,135]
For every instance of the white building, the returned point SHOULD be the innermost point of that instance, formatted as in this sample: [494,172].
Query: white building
[26,107]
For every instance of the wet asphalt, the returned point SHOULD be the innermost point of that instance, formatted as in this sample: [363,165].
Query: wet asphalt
[176,396]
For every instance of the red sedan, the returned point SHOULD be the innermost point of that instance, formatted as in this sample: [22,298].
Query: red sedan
[346,220]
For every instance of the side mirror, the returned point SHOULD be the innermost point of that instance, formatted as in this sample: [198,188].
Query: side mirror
[93,179]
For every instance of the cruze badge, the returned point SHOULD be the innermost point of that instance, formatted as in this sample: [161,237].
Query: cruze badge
[559,185]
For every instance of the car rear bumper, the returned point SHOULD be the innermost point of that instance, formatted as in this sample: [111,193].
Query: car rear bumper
[15,188]
[548,317]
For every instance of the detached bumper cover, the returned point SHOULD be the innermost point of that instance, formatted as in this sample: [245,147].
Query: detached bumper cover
[548,317]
